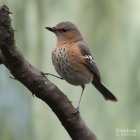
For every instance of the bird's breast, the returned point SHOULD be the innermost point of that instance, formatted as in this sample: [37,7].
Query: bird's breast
[65,66]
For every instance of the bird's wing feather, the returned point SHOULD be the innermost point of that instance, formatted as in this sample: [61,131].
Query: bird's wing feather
[89,60]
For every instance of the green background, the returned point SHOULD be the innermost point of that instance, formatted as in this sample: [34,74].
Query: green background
[112,30]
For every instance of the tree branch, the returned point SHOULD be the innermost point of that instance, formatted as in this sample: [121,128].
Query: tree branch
[37,83]
[1,58]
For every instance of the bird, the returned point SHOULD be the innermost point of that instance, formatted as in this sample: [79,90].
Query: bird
[73,61]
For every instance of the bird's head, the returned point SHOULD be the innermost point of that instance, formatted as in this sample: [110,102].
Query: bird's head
[66,31]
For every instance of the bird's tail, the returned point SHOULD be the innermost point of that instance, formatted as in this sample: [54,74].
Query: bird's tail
[103,90]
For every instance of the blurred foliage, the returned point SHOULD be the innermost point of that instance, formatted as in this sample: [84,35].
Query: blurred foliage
[111,28]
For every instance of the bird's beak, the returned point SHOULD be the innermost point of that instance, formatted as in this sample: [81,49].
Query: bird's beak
[52,29]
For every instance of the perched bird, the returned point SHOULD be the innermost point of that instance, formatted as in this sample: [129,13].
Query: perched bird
[73,61]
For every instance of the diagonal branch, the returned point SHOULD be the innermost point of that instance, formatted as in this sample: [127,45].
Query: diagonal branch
[1,58]
[37,83]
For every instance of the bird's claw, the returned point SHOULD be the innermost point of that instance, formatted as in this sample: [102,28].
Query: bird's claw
[44,74]
[76,111]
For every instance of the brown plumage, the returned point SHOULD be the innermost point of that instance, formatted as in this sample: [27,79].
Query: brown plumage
[73,61]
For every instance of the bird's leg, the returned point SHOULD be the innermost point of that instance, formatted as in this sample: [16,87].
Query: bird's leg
[77,109]
[52,75]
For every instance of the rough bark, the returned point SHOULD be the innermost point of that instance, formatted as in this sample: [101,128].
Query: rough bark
[37,83]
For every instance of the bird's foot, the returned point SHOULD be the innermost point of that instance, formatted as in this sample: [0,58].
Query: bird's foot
[76,111]
[51,75]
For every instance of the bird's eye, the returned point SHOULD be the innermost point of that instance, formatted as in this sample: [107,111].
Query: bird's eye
[64,30]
